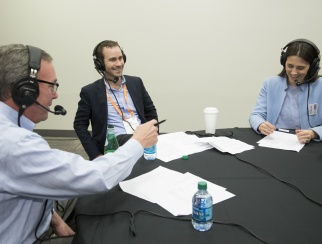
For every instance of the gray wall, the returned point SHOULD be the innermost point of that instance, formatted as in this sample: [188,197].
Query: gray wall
[190,54]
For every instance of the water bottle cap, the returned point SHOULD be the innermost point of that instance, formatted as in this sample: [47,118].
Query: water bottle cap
[202,185]
[110,126]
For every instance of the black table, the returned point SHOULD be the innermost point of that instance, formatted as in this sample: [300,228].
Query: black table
[272,210]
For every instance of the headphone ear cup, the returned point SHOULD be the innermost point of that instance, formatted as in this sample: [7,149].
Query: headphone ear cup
[124,56]
[25,92]
[282,58]
[99,64]
[314,67]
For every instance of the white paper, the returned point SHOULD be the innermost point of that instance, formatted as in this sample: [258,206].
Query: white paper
[225,144]
[160,176]
[281,140]
[175,145]
[171,190]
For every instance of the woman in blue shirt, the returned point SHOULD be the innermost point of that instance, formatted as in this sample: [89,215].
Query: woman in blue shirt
[293,99]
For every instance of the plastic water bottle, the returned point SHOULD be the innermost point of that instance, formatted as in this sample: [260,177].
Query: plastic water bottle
[111,143]
[202,208]
[150,153]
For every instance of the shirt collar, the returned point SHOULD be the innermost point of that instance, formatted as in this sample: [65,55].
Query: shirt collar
[12,115]
[123,82]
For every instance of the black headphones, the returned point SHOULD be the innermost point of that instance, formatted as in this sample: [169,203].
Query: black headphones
[99,63]
[26,90]
[314,66]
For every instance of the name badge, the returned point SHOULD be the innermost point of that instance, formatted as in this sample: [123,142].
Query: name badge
[130,124]
[313,109]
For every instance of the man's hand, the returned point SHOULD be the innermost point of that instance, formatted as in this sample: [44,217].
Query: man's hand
[60,227]
[146,134]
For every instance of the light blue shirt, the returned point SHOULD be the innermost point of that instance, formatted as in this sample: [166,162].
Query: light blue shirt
[289,116]
[114,117]
[271,99]
[32,172]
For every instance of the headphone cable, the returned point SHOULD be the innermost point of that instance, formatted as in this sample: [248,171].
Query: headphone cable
[39,222]
[307,104]
[20,112]
[177,218]
[123,119]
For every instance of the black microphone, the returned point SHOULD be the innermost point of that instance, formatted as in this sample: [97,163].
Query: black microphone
[115,79]
[301,83]
[297,83]
[59,110]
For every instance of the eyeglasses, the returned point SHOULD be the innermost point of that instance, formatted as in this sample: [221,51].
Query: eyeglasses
[54,85]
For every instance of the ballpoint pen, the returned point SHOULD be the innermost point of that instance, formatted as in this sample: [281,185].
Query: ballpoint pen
[160,122]
[282,130]
[286,131]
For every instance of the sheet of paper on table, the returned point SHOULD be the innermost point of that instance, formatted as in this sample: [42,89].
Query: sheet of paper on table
[281,140]
[171,190]
[225,144]
[174,145]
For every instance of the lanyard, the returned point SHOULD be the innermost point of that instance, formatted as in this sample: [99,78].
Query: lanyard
[126,100]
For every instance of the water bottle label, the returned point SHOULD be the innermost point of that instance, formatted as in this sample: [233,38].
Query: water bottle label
[202,214]
[150,153]
[150,150]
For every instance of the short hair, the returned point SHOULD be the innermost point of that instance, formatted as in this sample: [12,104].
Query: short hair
[14,65]
[303,50]
[99,49]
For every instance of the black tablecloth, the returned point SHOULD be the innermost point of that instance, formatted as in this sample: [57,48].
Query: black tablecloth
[272,210]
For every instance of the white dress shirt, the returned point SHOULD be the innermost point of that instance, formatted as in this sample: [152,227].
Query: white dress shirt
[32,172]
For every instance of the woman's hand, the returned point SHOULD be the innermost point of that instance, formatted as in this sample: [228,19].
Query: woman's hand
[266,128]
[305,136]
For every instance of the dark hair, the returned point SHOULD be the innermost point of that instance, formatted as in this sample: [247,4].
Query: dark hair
[107,43]
[303,50]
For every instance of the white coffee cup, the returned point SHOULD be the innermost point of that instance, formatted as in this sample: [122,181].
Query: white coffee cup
[210,114]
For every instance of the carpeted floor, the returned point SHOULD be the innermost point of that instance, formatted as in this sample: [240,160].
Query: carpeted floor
[69,144]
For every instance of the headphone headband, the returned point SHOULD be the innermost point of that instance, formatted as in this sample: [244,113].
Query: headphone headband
[305,41]
[34,57]
[26,90]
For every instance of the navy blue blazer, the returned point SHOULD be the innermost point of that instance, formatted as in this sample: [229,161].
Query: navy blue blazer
[92,108]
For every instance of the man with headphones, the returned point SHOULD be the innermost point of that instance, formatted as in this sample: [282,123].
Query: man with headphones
[32,174]
[116,99]
[292,101]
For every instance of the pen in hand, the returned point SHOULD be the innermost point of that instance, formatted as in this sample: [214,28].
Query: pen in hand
[282,130]
[286,131]
[160,122]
